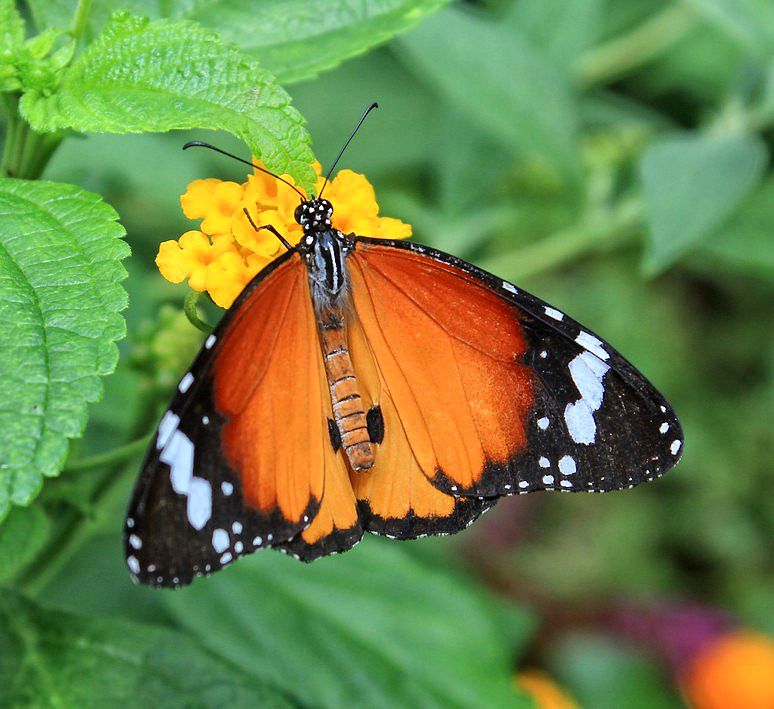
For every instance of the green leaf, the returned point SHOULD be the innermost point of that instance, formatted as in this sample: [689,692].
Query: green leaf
[750,22]
[297,40]
[22,535]
[50,658]
[745,243]
[142,76]
[692,184]
[530,107]
[601,674]
[11,28]
[561,28]
[376,627]
[60,298]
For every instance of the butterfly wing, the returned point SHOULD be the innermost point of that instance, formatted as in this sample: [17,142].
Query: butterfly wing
[242,458]
[497,392]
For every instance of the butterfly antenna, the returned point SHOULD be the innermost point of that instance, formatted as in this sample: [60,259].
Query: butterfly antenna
[200,144]
[349,140]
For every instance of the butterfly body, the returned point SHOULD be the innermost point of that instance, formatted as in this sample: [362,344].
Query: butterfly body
[360,385]
[325,254]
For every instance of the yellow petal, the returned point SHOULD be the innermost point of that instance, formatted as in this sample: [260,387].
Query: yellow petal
[227,277]
[197,196]
[226,198]
[171,262]
[389,228]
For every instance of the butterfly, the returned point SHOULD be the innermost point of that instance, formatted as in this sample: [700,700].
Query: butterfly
[366,385]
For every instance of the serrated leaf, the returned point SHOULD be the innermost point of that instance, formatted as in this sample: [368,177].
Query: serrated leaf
[530,107]
[297,40]
[140,76]
[51,658]
[692,184]
[11,27]
[60,299]
[291,39]
[379,626]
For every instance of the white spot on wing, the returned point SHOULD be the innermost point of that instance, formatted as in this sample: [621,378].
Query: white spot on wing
[548,480]
[675,446]
[220,540]
[178,454]
[227,488]
[167,427]
[580,422]
[587,372]
[663,428]
[509,287]
[554,313]
[199,505]
[523,484]
[133,564]
[210,341]
[185,383]
[236,527]
[542,423]
[567,465]
[135,541]
[592,344]
[544,462]
[565,483]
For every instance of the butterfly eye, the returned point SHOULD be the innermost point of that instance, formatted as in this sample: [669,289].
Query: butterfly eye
[299,213]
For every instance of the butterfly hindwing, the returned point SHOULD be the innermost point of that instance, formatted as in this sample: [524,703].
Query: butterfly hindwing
[498,392]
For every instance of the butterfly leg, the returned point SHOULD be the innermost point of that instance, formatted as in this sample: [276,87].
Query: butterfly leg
[268,227]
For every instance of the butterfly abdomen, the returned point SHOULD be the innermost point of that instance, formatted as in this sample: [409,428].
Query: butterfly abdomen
[348,410]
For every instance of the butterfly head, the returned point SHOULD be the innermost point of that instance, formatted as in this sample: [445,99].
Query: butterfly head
[314,215]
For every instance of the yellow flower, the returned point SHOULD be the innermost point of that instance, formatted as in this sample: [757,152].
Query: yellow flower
[214,201]
[735,670]
[230,274]
[543,690]
[190,257]
[226,252]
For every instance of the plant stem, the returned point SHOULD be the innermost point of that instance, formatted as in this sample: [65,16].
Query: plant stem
[189,307]
[637,47]
[81,19]
[26,153]
[117,455]
[566,245]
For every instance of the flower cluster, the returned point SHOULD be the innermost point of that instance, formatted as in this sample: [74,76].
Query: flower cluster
[225,252]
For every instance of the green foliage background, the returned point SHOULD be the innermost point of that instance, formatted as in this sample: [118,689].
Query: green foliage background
[613,157]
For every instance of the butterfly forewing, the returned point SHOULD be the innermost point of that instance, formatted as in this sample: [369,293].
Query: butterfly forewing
[500,393]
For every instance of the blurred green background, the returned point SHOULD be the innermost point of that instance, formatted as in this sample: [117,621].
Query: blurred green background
[610,157]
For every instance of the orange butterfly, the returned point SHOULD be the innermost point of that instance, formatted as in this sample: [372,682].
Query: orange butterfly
[373,385]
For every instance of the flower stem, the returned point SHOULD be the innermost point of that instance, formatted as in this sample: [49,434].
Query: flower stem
[644,43]
[26,153]
[81,19]
[189,307]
